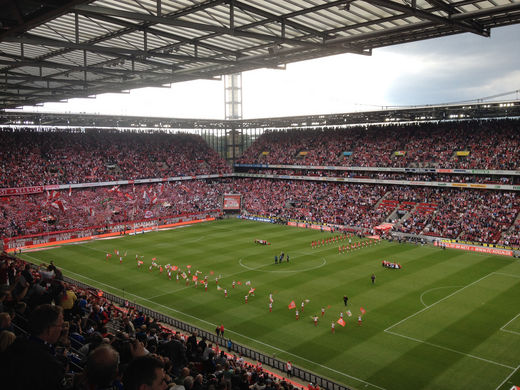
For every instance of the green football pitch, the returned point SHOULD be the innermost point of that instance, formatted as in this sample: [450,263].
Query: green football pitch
[447,320]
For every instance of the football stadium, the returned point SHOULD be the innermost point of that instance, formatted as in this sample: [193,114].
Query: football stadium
[373,249]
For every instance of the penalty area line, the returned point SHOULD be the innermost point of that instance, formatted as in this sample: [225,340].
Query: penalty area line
[507,378]
[387,330]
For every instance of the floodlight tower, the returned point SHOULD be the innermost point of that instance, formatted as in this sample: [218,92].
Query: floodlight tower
[233,114]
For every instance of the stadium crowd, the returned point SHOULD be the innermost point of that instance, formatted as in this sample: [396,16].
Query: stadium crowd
[99,206]
[472,215]
[54,335]
[491,145]
[33,158]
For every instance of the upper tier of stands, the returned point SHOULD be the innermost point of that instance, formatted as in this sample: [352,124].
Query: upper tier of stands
[30,158]
[491,145]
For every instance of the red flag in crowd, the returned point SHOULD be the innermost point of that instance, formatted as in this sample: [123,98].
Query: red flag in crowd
[341,321]
[292,305]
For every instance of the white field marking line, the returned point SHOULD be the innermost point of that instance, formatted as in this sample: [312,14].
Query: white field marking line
[439,301]
[505,325]
[451,350]
[387,330]
[93,249]
[287,271]
[507,378]
[433,289]
[503,273]
[228,330]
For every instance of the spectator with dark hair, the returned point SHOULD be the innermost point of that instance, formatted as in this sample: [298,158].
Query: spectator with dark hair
[145,373]
[31,363]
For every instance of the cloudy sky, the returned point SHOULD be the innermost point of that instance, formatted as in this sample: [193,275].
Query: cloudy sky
[452,69]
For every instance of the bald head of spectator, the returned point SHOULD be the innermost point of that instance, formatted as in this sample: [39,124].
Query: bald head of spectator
[102,366]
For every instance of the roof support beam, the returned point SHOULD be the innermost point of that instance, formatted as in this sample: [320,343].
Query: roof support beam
[280,19]
[96,10]
[112,72]
[113,51]
[451,10]
[407,10]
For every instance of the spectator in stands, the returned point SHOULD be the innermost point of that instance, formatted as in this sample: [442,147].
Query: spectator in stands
[101,370]
[5,322]
[36,354]
[146,372]
[6,339]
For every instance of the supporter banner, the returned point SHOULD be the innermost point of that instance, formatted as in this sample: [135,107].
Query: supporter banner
[232,201]
[384,169]
[347,153]
[400,153]
[21,191]
[480,249]
[388,182]
[462,153]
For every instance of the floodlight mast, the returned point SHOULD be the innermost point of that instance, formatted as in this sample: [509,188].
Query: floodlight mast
[233,114]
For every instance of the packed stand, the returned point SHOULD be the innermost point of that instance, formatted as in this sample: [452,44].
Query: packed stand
[491,145]
[324,202]
[100,206]
[54,335]
[470,215]
[33,158]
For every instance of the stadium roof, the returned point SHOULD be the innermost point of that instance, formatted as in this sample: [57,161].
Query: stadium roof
[468,111]
[53,50]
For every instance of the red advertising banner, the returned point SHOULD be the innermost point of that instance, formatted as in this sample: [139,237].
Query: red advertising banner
[232,201]
[473,248]
[21,191]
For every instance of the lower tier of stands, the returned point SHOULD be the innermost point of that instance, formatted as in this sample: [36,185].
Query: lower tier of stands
[484,216]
